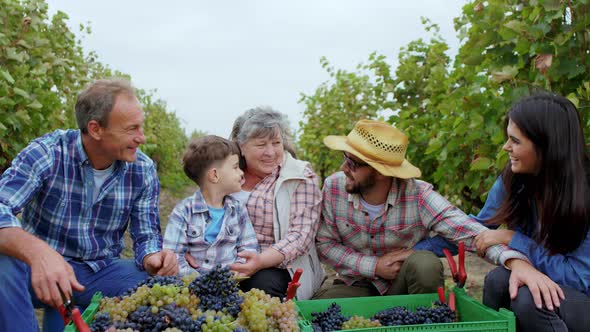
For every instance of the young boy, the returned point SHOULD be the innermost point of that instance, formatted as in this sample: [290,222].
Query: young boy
[210,225]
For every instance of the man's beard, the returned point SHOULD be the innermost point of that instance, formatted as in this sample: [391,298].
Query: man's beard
[363,186]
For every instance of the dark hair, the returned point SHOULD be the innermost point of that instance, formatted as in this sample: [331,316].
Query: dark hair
[562,187]
[97,100]
[203,152]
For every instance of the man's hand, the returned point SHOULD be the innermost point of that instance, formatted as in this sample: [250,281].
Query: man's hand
[162,263]
[49,273]
[492,237]
[191,260]
[541,286]
[252,265]
[388,265]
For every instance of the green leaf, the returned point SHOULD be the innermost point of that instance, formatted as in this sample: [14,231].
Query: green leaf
[569,68]
[7,101]
[433,145]
[35,105]
[22,93]
[516,25]
[473,60]
[23,116]
[7,76]
[507,73]
[574,99]
[562,38]
[551,5]
[24,44]
[480,164]
[13,54]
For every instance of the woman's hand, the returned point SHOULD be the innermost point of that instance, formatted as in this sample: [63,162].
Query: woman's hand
[542,288]
[492,237]
[252,265]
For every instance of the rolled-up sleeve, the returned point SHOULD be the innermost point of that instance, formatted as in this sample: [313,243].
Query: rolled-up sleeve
[303,221]
[21,181]
[439,215]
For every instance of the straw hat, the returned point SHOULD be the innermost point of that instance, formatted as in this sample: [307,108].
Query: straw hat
[379,145]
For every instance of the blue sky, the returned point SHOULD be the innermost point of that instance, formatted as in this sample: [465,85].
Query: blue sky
[212,60]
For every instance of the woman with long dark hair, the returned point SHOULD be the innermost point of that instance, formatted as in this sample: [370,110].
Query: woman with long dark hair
[541,202]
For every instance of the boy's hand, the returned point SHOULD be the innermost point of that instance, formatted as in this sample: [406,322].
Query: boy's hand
[162,263]
[191,261]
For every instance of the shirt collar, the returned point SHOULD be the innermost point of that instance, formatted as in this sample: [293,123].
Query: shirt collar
[199,204]
[81,157]
[79,153]
[391,197]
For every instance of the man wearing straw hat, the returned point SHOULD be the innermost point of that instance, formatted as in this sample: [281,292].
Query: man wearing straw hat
[374,213]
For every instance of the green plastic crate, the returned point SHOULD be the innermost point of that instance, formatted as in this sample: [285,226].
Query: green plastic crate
[89,312]
[473,315]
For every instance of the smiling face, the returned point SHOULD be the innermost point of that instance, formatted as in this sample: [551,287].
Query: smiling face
[124,131]
[263,154]
[230,175]
[523,156]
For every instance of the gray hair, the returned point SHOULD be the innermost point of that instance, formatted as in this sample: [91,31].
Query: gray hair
[260,122]
[96,101]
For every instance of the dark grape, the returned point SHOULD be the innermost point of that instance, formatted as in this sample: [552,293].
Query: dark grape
[329,320]
[151,281]
[218,290]
[102,321]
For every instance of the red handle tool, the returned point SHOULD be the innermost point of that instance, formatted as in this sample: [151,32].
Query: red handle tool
[459,275]
[293,284]
[451,303]
[71,313]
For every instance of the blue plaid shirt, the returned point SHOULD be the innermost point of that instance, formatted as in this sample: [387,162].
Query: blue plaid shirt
[186,233]
[51,182]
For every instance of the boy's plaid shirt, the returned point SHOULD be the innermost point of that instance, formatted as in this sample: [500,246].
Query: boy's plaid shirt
[186,233]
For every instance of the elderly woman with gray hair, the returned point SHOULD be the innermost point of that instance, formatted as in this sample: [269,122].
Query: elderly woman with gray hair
[283,200]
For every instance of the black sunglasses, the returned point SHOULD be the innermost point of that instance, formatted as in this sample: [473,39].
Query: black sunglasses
[352,164]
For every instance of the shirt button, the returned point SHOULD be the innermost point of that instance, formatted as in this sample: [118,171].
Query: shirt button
[194,232]
[207,261]
[372,236]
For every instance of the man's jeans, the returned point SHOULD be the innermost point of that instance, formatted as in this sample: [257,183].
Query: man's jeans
[18,300]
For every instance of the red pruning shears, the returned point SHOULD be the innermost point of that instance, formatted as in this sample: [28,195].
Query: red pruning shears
[293,285]
[459,275]
[69,312]
[451,303]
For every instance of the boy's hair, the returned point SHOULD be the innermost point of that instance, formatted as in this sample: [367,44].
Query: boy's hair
[201,153]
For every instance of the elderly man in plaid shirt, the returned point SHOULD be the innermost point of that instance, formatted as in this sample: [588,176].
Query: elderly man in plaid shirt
[376,219]
[78,190]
